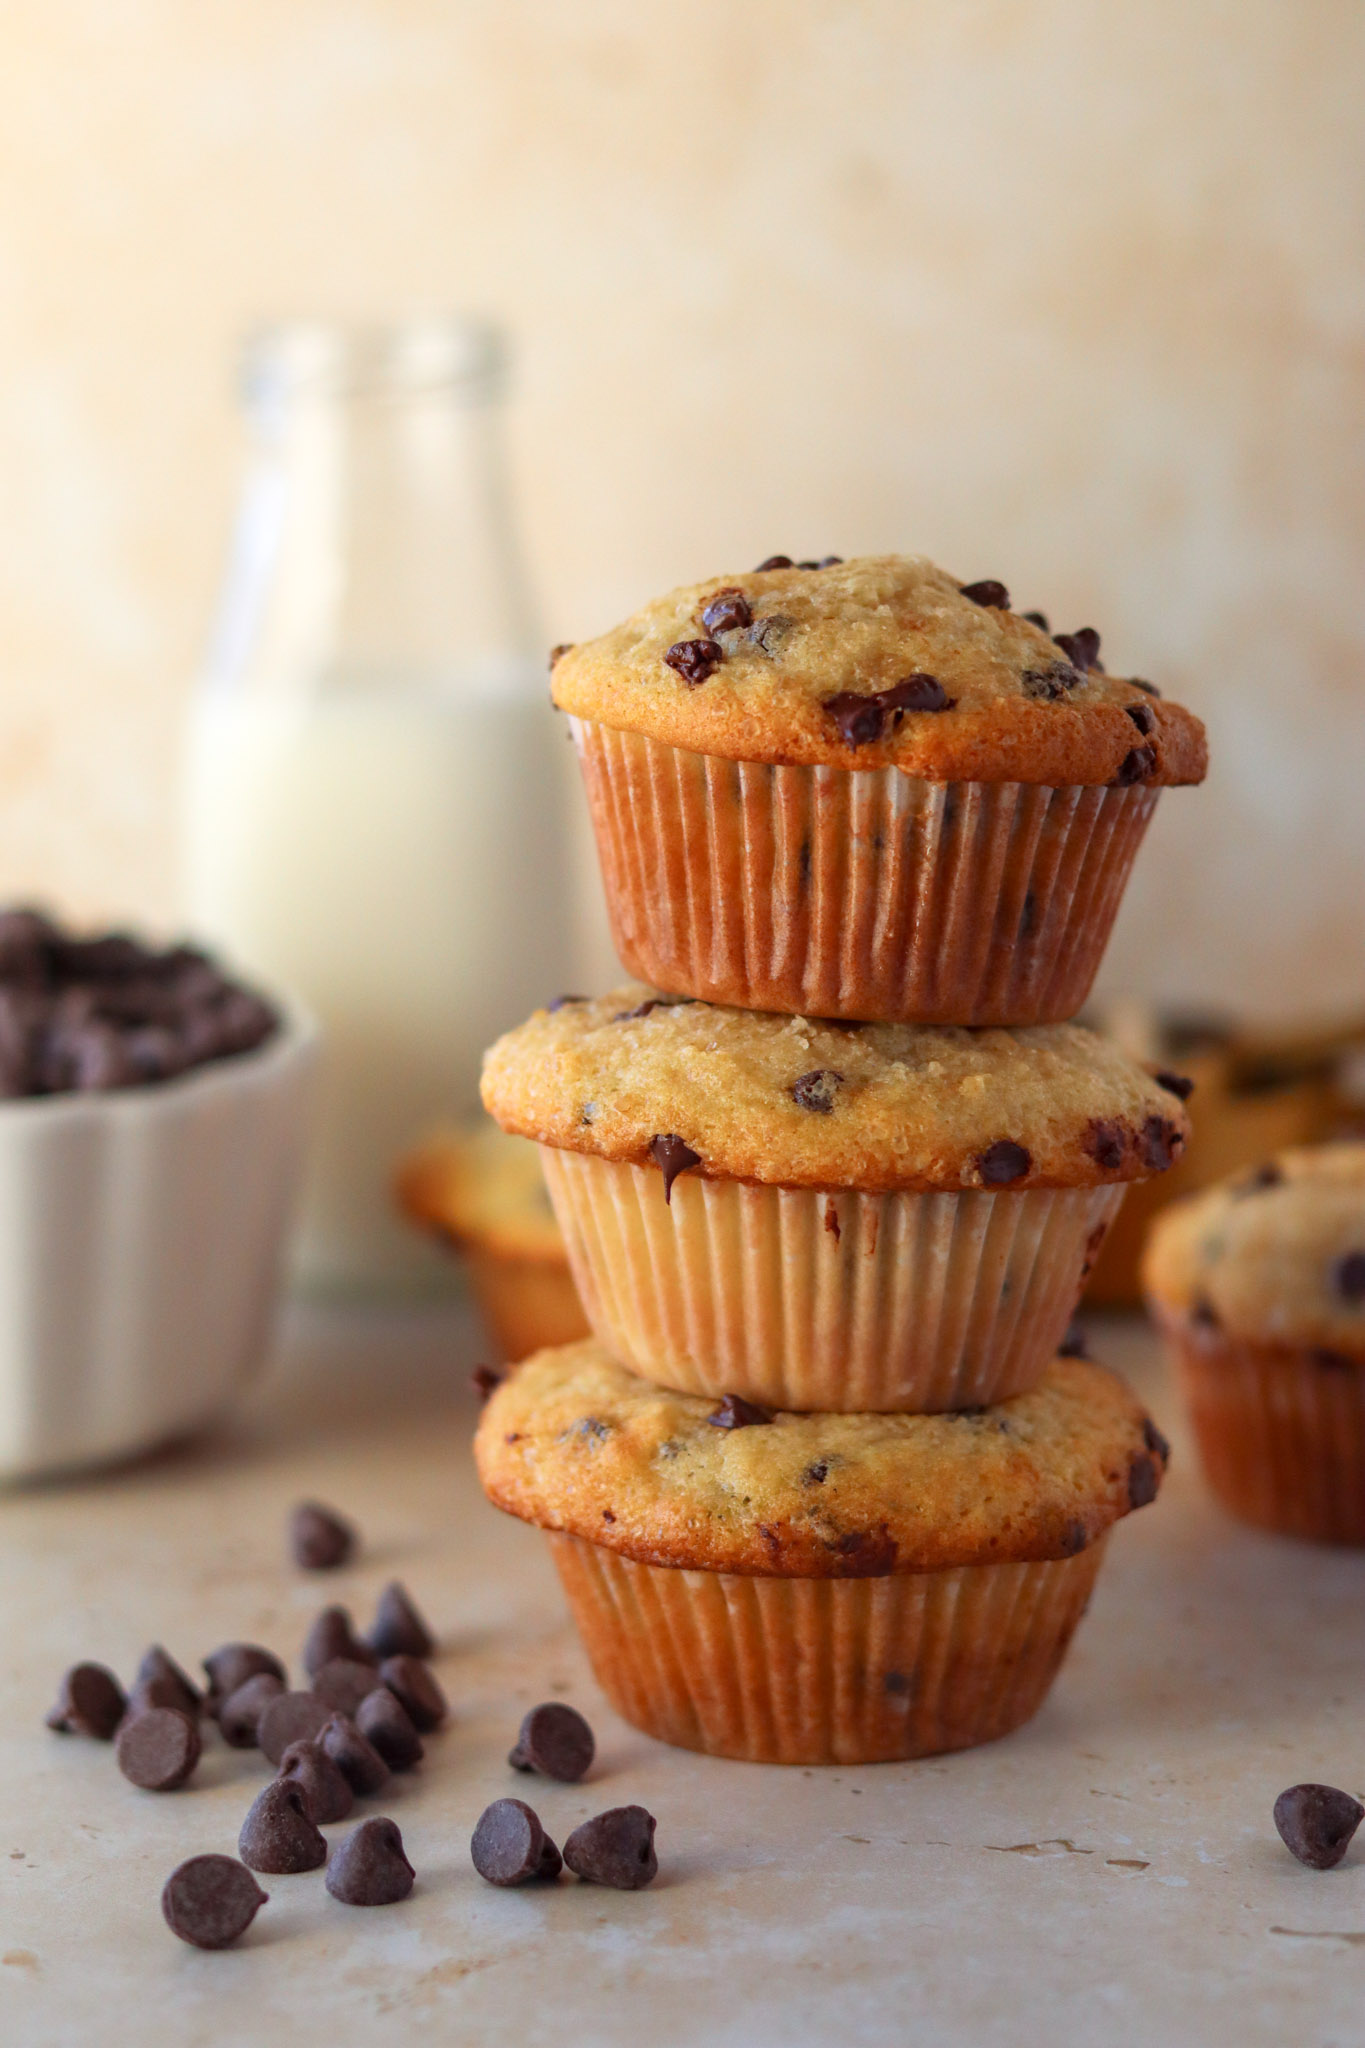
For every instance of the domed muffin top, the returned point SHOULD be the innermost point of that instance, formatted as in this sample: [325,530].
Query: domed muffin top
[801,1102]
[881,661]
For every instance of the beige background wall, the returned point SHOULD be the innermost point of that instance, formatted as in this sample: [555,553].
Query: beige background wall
[1064,293]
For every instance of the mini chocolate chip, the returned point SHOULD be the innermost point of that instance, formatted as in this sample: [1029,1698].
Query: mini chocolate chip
[1155,1441]
[1203,1312]
[615,1848]
[399,1629]
[735,1412]
[816,1089]
[90,1701]
[159,1673]
[1106,1140]
[510,1847]
[558,651]
[695,660]
[387,1727]
[369,1868]
[343,1683]
[359,1762]
[318,1537]
[1135,766]
[987,592]
[1038,619]
[1073,1344]
[728,612]
[1175,1084]
[1316,1823]
[290,1717]
[484,1381]
[829,561]
[774,562]
[158,1749]
[332,1636]
[1159,1144]
[641,1010]
[561,1002]
[210,1901]
[1150,688]
[415,1687]
[555,1740]
[1003,1162]
[1073,1537]
[1267,1176]
[811,564]
[767,634]
[1142,1480]
[1081,647]
[1143,718]
[1051,685]
[239,1715]
[277,1834]
[865,718]
[816,1474]
[1348,1276]
[230,1667]
[672,1155]
[327,1793]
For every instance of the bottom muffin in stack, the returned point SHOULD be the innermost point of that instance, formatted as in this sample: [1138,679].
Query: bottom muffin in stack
[822,1588]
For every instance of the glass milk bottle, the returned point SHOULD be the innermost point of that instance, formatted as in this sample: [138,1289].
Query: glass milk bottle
[375,794]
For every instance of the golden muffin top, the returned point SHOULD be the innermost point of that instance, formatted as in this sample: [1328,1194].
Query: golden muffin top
[882,661]
[573,1441]
[1274,1255]
[797,1102]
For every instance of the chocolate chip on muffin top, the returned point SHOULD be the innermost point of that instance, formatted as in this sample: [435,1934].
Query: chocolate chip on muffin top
[815,1496]
[710,1092]
[884,660]
[1275,1255]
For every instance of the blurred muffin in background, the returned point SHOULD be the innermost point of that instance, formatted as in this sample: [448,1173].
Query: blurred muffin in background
[483,1192]
[1258,1285]
[1255,1093]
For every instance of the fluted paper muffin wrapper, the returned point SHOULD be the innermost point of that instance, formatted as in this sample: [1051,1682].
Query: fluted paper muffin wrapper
[852,892]
[1280,1429]
[824,1671]
[804,1299]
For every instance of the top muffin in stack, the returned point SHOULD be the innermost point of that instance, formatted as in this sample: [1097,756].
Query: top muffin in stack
[968,869]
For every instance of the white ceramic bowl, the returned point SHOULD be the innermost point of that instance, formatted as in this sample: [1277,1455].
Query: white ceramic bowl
[141,1239]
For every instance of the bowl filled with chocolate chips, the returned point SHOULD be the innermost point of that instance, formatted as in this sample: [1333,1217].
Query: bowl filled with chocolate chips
[152,1115]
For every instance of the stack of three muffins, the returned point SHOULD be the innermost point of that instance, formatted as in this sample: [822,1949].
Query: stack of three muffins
[820,1488]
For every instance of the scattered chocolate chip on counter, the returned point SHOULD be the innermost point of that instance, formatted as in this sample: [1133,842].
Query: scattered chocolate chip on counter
[1316,1823]
[230,1667]
[210,1901]
[413,1684]
[331,1636]
[278,1836]
[239,1715]
[90,1701]
[343,1684]
[359,1762]
[290,1717]
[158,1748]
[327,1792]
[387,1727]
[162,1683]
[555,1740]
[398,1629]
[510,1847]
[615,1848]
[319,1538]
[369,1868]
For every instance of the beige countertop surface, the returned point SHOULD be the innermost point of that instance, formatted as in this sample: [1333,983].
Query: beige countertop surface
[1108,1875]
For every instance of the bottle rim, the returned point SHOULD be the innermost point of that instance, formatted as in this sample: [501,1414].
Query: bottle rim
[289,358]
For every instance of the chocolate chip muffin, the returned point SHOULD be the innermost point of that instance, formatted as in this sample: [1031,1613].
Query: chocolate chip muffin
[483,1193]
[866,790]
[821,1215]
[930,1569]
[1259,1287]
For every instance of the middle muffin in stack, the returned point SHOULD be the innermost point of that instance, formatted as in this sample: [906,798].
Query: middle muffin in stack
[864,1517]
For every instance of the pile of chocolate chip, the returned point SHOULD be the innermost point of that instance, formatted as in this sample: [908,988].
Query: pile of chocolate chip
[79,1015]
[368,1703]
